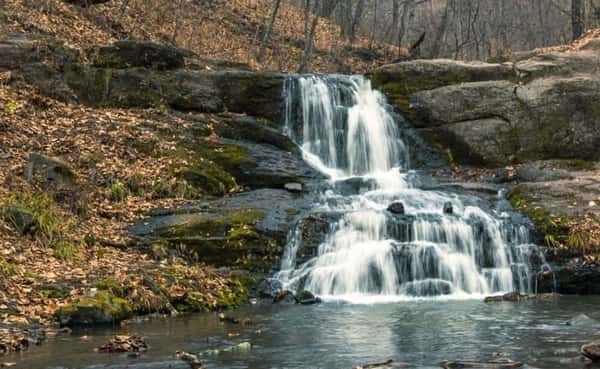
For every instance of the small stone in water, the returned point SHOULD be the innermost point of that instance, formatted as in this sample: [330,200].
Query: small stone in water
[293,187]
[448,209]
[592,350]
[124,344]
[396,208]
[244,346]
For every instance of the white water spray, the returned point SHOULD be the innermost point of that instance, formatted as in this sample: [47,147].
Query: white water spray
[346,131]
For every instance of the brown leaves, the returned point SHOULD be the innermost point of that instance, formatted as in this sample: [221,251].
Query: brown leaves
[124,344]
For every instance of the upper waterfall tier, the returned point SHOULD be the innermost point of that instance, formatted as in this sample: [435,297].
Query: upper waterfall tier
[343,126]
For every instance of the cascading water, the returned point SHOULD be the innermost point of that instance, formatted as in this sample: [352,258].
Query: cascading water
[346,131]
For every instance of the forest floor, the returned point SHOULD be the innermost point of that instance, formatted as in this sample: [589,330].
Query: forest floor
[219,29]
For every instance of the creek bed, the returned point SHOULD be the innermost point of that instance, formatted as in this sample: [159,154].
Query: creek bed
[336,335]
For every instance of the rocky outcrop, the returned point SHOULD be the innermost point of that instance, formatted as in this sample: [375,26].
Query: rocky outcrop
[142,74]
[542,107]
[252,93]
[245,230]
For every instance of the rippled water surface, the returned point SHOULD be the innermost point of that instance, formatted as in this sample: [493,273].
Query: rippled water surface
[338,335]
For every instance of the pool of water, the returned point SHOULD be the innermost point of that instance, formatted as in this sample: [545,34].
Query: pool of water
[336,335]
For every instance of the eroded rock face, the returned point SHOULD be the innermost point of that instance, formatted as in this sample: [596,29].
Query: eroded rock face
[240,91]
[543,107]
[245,230]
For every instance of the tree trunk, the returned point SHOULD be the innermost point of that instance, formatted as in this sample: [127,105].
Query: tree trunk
[265,39]
[441,31]
[122,9]
[402,30]
[358,13]
[309,36]
[178,11]
[577,18]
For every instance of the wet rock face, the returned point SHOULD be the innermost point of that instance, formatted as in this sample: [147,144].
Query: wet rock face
[573,278]
[314,229]
[542,107]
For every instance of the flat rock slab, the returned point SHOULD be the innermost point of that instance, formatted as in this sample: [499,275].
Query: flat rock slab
[481,365]
[280,207]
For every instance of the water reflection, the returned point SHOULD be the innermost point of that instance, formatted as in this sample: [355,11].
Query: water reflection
[338,335]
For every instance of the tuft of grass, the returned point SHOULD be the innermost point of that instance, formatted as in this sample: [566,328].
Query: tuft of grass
[118,192]
[580,239]
[10,106]
[67,250]
[6,268]
[47,225]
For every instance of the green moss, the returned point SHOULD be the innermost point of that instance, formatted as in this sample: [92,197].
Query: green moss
[195,301]
[111,286]
[246,216]
[53,292]
[230,297]
[108,59]
[243,233]
[6,268]
[117,192]
[103,307]
[291,214]
[66,250]
[554,228]
[198,228]
[229,239]
[230,157]
[37,214]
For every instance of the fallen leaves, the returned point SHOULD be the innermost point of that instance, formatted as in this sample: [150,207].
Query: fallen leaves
[124,344]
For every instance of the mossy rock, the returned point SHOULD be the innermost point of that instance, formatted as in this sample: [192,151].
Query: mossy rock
[112,286]
[102,308]
[555,229]
[232,296]
[127,54]
[196,302]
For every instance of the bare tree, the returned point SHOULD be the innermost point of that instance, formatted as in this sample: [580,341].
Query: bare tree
[319,10]
[441,31]
[577,18]
[122,9]
[267,35]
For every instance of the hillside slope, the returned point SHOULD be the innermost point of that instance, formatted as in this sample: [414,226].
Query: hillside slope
[221,29]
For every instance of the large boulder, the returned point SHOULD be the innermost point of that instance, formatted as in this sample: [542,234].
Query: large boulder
[127,54]
[245,230]
[102,308]
[239,91]
[542,107]
[49,173]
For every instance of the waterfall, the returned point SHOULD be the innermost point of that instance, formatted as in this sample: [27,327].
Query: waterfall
[347,131]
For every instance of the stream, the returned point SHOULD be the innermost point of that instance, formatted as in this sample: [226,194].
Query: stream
[336,335]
